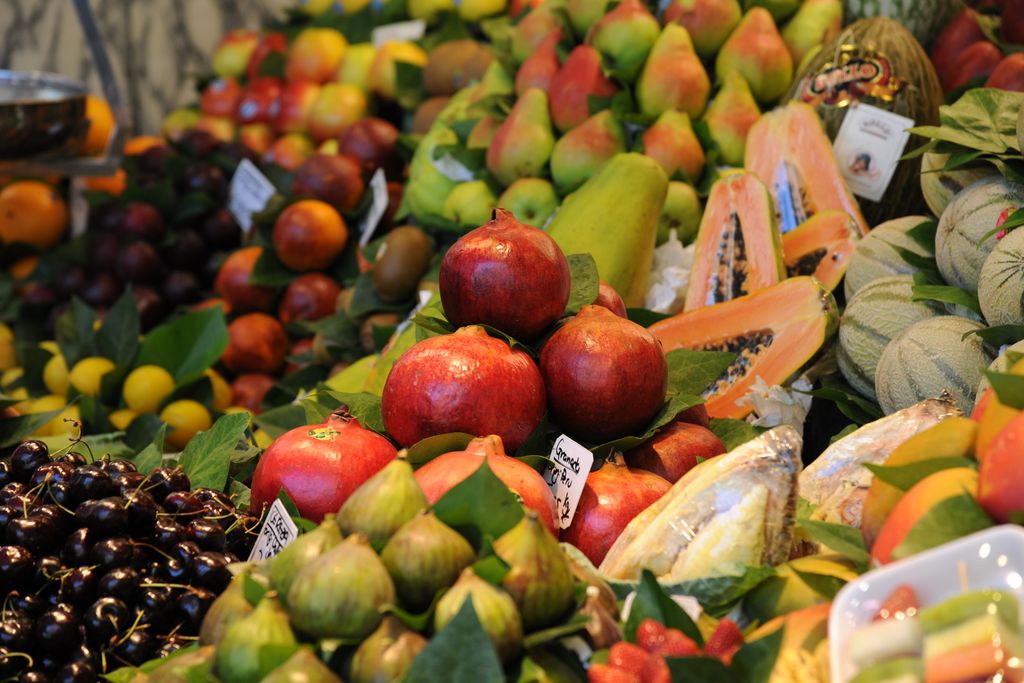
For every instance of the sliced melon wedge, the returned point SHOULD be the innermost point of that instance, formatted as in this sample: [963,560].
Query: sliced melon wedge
[821,246]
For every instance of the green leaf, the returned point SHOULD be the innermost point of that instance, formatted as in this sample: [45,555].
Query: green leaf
[575,625]
[924,264]
[142,431]
[924,234]
[480,506]
[644,317]
[277,421]
[753,663]
[947,521]
[268,271]
[188,345]
[692,372]
[152,456]
[417,622]
[491,568]
[365,299]
[719,594]
[733,432]
[583,271]
[822,584]
[675,404]
[461,652]
[16,429]
[652,602]
[843,539]
[1009,388]
[252,589]
[240,494]
[905,476]
[998,335]
[425,450]
[272,655]
[983,119]
[118,338]
[365,407]
[699,670]
[74,332]
[947,294]
[854,406]
[207,457]
[844,432]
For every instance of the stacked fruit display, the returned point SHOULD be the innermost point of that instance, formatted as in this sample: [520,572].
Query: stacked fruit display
[973,50]
[104,566]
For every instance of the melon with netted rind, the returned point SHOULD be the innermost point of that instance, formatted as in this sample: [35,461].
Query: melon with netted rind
[878,253]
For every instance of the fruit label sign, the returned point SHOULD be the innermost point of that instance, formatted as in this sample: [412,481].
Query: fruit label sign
[869,146]
[378,205]
[250,191]
[278,531]
[566,475]
[401,31]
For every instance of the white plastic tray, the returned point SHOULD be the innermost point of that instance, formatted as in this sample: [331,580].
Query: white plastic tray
[993,558]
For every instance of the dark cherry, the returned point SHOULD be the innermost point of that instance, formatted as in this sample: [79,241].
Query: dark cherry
[10,662]
[205,178]
[38,534]
[121,583]
[188,251]
[85,653]
[182,503]
[143,555]
[106,618]
[167,532]
[60,494]
[209,535]
[76,672]
[139,263]
[70,279]
[210,571]
[206,495]
[48,573]
[34,676]
[193,605]
[56,630]
[103,289]
[199,143]
[142,221]
[174,571]
[103,251]
[111,552]
[106,517]
[7,513]
[6,477]
[120,466]
[77,547]
[105,217]
[219,513]
[220,230]
[137,648]
[91,482]
[79,587]
[27,456]
[28,603]
[170,646]
[16,632]
[73,458]
[141,509]
[242,535]
[51,472]
[180,288]
[12,492]
[185,552]
[156,605]
[149,306]
[59,516]
[152,160]
[128,482]
[165,480]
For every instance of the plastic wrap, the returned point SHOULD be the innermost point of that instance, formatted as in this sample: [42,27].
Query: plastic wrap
[837,481]
[728,512]
[670,275]
[774,406]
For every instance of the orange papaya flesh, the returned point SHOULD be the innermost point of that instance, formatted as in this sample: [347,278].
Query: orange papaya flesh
[821,246]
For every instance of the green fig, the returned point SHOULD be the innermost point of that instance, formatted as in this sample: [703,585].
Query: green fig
[302,667]
[228,608]
[539,578]
[584,572]
[423,557]
[730,117]
[384,502]
[523,142]
[624,37]
[340,595]
[182,668]
[238,658]
[531,201]
[494,608]
[583,150]
[470,204]
[602,623]
[387,654]
[756,50]
[297,555]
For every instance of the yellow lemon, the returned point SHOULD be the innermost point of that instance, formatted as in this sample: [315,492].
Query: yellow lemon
[88,373]
[55,375]
[50,346]
[5,333]
[186,418]
[146,387]
[221,390]
[45,404]
[262,439]
[120,419]
[68,421]
[9,377]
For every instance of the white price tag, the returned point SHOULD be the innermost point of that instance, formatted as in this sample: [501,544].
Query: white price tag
[868,147]
[566,476]
[249,193]
[452,168]
[378,205]
[400,31]
[278,531]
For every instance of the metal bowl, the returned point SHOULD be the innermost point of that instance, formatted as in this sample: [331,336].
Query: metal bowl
[40,114]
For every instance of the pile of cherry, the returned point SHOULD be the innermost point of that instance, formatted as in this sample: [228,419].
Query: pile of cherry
[104,566]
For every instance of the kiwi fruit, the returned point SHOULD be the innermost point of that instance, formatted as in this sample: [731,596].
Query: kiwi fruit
[402,260]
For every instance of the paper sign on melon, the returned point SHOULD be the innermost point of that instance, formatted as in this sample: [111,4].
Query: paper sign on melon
[774,332]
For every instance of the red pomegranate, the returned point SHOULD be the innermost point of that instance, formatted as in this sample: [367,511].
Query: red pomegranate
[445,471]
[675,449]
[320,465]
[606,376]
[463,382]
[608,297]
[612,497]
[505,274]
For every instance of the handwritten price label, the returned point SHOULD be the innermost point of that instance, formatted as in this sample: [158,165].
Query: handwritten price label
[566,476]
[278,531]
[248,194]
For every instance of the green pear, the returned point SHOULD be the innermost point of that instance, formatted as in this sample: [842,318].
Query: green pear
[730,116]
[531,200]
[523,142]
[583,150]
[483,132]
[427,188]
[470,204]
[529,33]
[673,144]
[709,22]
[624,37]
[681,212]
[585,13]
[779,9]
[673,77]
[756,51]
[815,23]
[539,68]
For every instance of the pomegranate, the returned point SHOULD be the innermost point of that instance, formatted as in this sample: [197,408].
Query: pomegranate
[439,475]
[612,497]
[507,275]
[608,297]
[320,465]
[674,451]
[606,376]
[463,382]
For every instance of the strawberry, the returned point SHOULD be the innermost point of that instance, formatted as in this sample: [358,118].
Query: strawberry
[650,635]
[725,641]
[602,673]
[628,657]
[903,600]
[677,644]
[656,670]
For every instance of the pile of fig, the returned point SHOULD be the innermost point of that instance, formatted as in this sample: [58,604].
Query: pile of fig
[102,566]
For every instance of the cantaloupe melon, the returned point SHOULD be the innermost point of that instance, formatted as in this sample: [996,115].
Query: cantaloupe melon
[1001,286]
[876,256]
[930,357]
[961,245]
[939,187]
[876,314]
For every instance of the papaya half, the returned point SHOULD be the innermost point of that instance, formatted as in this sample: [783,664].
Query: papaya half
[821,246]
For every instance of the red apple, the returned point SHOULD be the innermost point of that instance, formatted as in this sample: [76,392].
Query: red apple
[1011,27]
[220,97]
[610,299]
[233,52]
[308,297]
[291,113]
[1008,74]
[336,180]
[463,382]
[675,450]
[976,61]
[697,415]
[232,283]
[248,390]
[445,471]
[508,275]
[319,466]
[258,101]
[612,497]
[269,43]
[373,143]
[606,377]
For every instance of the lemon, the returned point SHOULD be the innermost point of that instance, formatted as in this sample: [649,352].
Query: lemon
[120,419]
[45,404]
[50,346]
[186,418]
[55,375]
[146,387]
[88,373]
[231,410]
[7,357]
[221,390]
[262,439]
[24,400]
[68,421]
[9,377]
[5,333]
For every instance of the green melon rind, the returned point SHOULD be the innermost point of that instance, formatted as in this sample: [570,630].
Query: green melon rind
[939,187]
[873,317]
[1001,286]
[876,258]
[928,358]
[961,245]
[1000,364]
[923,18]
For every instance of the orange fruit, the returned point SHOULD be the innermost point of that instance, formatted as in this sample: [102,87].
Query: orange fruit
[140,143]
[111,184]
[23,267]
[33,213]
[101,125]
